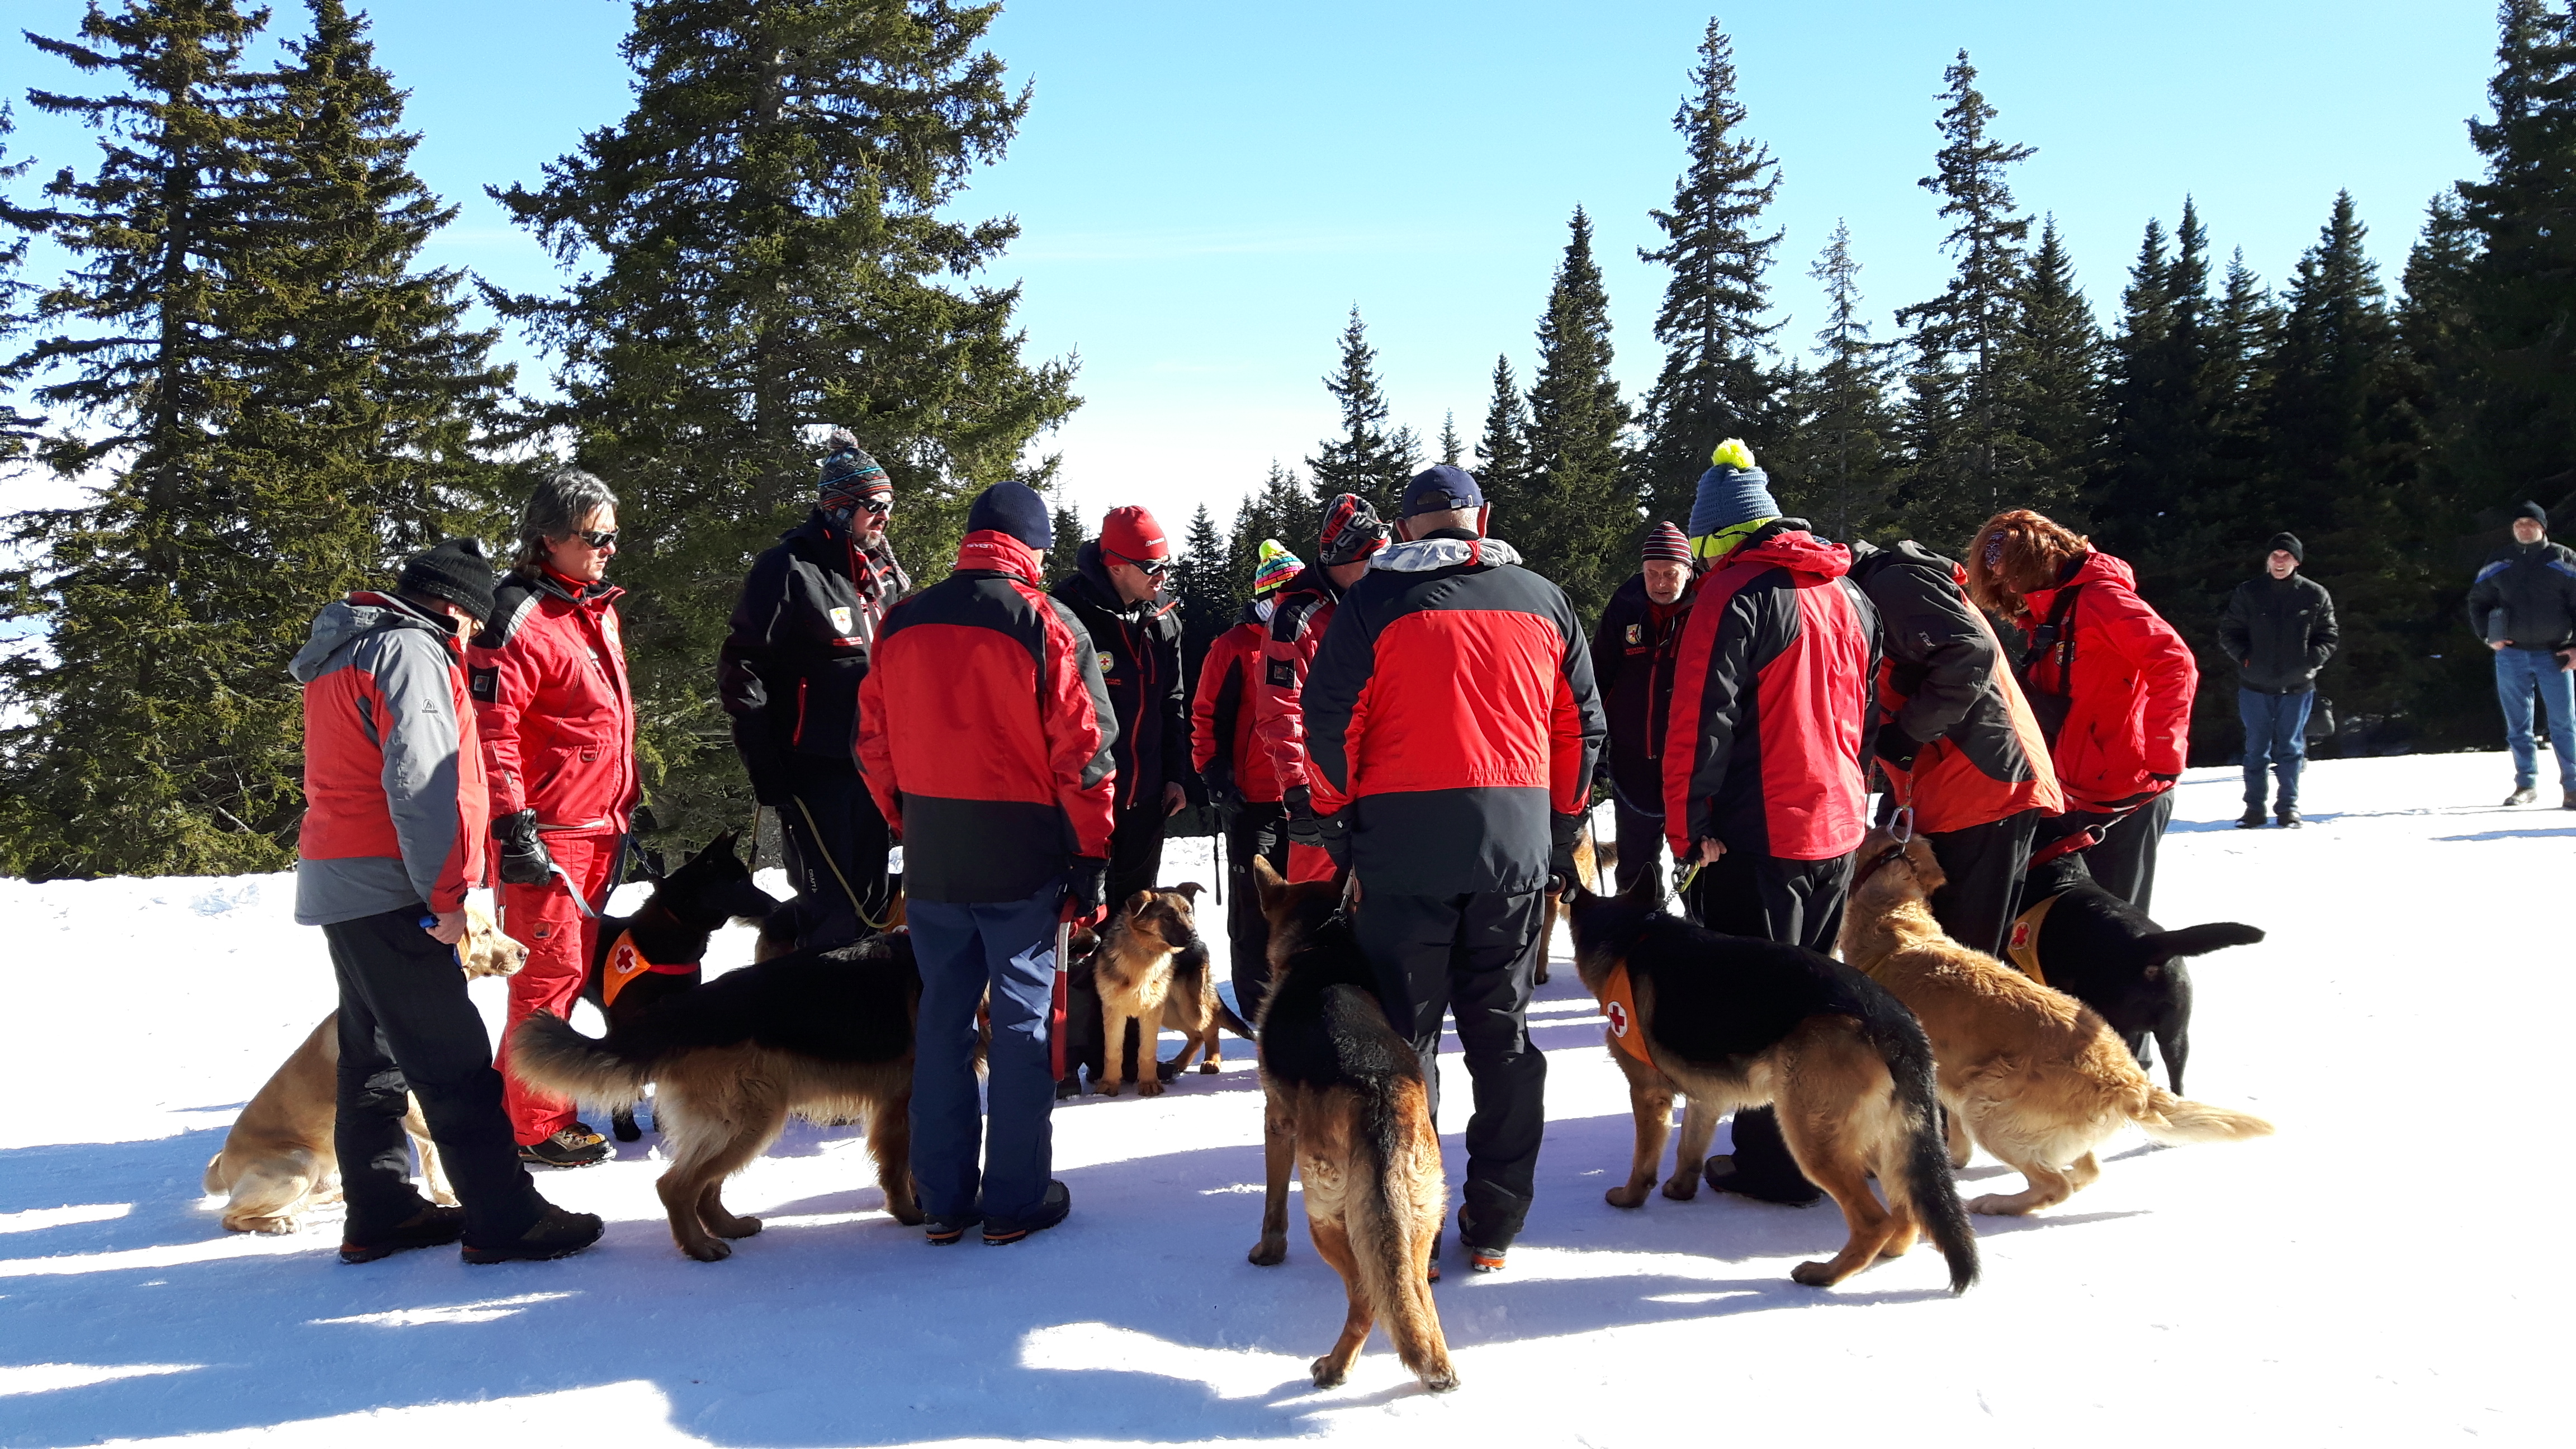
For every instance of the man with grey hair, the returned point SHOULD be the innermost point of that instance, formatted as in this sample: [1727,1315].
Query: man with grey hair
[548,675]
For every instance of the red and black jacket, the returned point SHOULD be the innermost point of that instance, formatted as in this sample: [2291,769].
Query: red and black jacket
[1633,651]
[1764,753]
[1139,647]
[1452,706]
[985,731]
[1221,713]
[2128,680]
[799,644]
[1299,614]
[552,705]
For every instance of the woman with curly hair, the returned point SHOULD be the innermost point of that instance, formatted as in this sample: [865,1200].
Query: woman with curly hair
[2109,680]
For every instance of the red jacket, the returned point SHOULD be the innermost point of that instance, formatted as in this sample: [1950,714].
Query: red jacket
[985,731]
[1222,710]
[1774,691]
[393,776]
[2128,687]
[1453,704]
[558,725]
[1299,614]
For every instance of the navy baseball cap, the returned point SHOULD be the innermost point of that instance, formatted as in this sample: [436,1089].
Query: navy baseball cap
[1441,487]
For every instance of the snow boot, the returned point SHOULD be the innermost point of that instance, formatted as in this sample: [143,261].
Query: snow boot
[1721,1174]
[1481,1257]
[2289,817]
[575,1146]
[431,1227]
[2522,795]
[2567,799]
[1050,1211]
[944,1232]
[558,1234]
[2252,819]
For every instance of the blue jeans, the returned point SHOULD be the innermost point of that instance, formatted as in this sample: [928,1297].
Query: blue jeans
[2276,737]
[963,950]
[2522,674]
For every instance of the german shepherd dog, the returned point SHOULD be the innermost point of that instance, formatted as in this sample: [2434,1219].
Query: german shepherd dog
[826,1035]
[1344,1100]
[1150,972]
[2104,952]
[2034,1076]
[664,942]
[1728,1022]
[280,1160]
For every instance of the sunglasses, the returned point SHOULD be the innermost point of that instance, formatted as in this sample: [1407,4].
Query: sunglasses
[878,506]
[1152,568]
[597,538]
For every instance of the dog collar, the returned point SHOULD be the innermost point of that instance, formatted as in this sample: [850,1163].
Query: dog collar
[625,963]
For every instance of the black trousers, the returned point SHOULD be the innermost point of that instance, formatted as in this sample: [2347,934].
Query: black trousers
[1796,902]
[1136,848]
[2125,862]
[406,1025]
[1985,864]
[1474,956]
[836,842]
[1258,831]
[1641,842]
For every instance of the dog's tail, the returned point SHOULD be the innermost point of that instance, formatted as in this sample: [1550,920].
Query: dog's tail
[2200,940]
[1397,1197]
[2179,1122]
[1226,1018]
[1918,1177]
[546,1053]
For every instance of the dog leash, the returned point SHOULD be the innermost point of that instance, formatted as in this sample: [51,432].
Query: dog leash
[846,889]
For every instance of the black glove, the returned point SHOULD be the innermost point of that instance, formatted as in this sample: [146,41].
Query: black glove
[1085,888]
[524,860]
[1330,834]
[1895,746]
[1223,795]
[1562,833]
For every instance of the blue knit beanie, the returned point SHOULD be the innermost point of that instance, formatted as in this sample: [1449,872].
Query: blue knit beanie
[1732,491]
[1015,509]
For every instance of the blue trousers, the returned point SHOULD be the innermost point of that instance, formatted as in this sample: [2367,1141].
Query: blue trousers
[2523,675]
[965,950]
[2276,736]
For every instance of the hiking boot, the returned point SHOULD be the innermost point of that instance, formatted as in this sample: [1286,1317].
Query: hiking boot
[2289,817]
[1481,1258]
[431,1227]
[941,1232]
[2522,795]
[1721,1174]
[2567,799]
[1050,1211]
[2252,819]
[575,1146]
[558,1234]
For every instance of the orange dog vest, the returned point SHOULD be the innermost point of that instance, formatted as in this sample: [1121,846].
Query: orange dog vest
[2022,946]
[625,963]
[1619,1003]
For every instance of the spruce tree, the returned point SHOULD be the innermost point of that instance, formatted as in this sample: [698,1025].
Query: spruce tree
[2437,331]
[1960,469]
[1575,517]
[1452,447]
[2159,482]
[1366,459]
[2052,383]
[764,244]
[1198,580]
[1282,509]
[1714,383]
[17,429]
[1846,429]
[1502,453]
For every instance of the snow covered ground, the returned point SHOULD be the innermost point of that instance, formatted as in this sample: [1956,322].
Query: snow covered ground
[2366,1277]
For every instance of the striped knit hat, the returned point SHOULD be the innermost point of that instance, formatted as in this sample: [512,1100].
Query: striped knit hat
[1733,496]
[1665,541]
[850,477]
[1277,566]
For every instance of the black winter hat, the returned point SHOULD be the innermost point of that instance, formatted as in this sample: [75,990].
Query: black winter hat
[457,570]
[2290,543]
[1015,509]
[2534,512]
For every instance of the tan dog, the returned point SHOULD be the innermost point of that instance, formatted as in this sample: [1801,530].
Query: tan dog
[1344,1100]
[2035,1076]
[278,1161]
[1133,971]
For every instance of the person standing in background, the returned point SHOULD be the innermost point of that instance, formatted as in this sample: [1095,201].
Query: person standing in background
[2524,606]
[558,730]
[2280,630]
[1116,589]
[1351,534]
[789,675]
[1236,770]
[1633,652]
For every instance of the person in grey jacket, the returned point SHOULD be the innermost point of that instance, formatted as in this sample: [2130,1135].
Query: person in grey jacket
[2280,630]
[2524,606]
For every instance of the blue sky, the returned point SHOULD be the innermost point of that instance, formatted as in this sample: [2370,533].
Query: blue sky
[1206,190]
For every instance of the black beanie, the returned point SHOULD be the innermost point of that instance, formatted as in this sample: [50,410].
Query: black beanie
[1015,509]
[456,570]
[2288,542]
[2534,512]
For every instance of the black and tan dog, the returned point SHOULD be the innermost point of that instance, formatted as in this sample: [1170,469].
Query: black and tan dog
[1150,971]
[656,953]
[2092,945]
[1344,1101]
[826,1035]
[1728,1022]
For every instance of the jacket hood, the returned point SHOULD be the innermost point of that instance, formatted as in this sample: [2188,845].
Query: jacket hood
[1257,611]
[1791,547]
[343,622]
[1091,574]
[994,551]
[1423,555]
[2097,567]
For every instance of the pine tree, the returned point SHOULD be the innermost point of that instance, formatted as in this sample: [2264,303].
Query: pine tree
[764,242]
[1067,536]
[1452,447]
[1366,459]
[17,429]
[1199,581]
[2158,484]
[1502,453]
[1575,516]
[1283,509]
[1714,383]
[2052,383]
[1846,429]
[1956,414]
[2436,328]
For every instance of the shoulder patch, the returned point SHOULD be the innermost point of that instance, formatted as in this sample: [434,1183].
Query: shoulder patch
[484,683]
[1281,673]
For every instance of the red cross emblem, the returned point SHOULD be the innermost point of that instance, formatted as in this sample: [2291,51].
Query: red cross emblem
[1618,1014]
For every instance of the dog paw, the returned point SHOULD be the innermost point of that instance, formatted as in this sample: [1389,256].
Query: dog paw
[1625,1196]
[1682,1187]
[1328,1374]
[714,1250]
[908,1214]
[1440,1381]
[1268,1253]
[740,1227]
[1207,1069]
[1149,1088]
[1108,1089]
[1814,1275]
[1995,1204]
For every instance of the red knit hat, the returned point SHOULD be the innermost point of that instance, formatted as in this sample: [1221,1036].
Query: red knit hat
[1130,535]
[1666,542]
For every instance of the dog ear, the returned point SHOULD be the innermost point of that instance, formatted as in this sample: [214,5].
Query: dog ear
[1266,884]
[1189,889]
[1137,902]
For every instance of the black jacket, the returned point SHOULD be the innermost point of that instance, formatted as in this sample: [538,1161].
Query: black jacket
[1978,762]
[2534,585]
[790,667]
[1140,660]
[1632,665]
[2280,632]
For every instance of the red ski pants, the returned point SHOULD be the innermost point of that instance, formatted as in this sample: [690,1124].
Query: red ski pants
[560,942]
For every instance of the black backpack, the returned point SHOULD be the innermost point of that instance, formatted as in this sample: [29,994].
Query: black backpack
[2047,707]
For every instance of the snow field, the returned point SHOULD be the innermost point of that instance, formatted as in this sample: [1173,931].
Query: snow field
[2365,1277]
